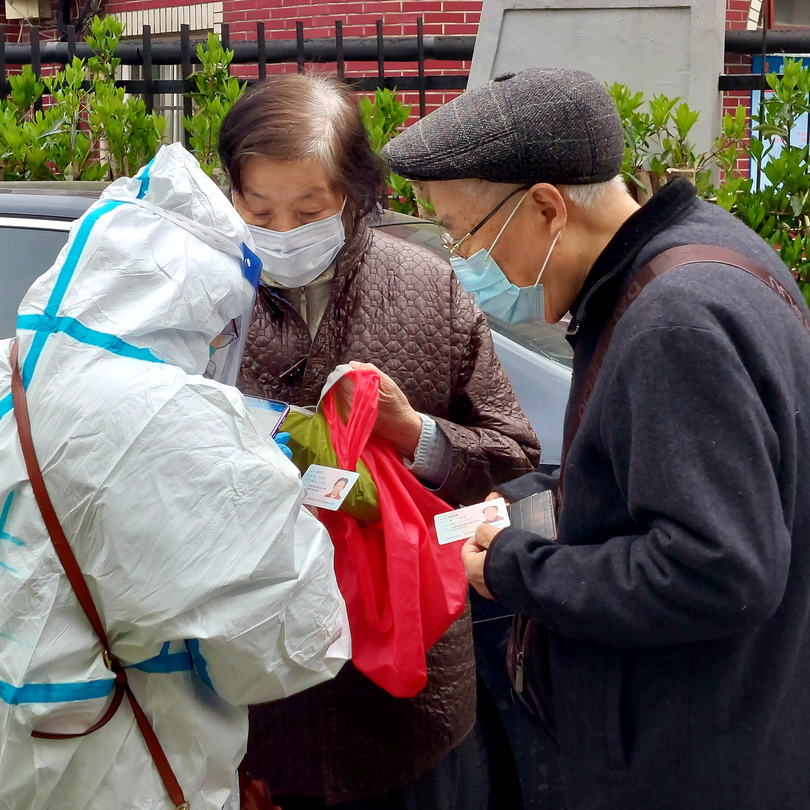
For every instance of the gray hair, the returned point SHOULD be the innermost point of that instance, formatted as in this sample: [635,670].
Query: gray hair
[295,116]
[586,196]
[592,195]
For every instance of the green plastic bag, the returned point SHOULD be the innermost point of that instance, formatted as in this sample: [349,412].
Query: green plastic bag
[310,443]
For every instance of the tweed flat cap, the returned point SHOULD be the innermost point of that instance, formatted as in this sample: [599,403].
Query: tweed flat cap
[542,125]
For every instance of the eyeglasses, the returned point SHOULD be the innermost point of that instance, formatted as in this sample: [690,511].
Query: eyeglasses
[227,336]
[451,245]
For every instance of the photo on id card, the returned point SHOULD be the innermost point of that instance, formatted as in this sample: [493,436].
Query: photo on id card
[327,487]
[462,523]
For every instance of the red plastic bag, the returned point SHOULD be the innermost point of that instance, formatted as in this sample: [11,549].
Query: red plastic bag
[402,589]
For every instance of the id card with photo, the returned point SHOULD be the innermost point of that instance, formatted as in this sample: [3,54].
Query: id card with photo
[461,524]
[327,487]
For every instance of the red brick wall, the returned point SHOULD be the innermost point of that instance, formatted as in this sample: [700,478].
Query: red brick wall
[17,31]
[359,18]
[440,17]
[736,19]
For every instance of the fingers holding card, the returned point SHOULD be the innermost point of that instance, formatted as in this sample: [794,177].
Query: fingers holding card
[462,523]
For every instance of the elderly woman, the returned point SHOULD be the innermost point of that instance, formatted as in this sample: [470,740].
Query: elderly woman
[334,290]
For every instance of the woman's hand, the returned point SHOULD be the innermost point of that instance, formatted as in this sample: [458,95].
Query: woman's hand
[396,421]
[474,554]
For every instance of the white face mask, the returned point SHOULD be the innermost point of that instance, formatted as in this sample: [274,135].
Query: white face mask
[294,258]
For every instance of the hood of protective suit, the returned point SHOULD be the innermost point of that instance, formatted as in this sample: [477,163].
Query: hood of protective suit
[160,289]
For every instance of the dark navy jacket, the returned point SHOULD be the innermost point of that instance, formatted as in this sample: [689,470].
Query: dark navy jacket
[678,595]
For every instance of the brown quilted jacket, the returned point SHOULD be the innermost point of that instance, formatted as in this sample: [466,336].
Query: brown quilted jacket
[398,306]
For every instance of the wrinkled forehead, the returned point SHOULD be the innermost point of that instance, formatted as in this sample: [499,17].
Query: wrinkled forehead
[461,204]
[458,203]
[285,181]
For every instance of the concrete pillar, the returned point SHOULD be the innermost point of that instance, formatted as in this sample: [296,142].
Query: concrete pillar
[675,47]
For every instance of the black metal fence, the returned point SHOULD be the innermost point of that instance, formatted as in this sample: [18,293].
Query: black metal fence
[261,52]
[764,42]
[337,51]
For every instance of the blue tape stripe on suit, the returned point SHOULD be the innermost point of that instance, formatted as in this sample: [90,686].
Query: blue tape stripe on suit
[145,178]
[199,662]
[60,288]
[83,334]
[74,254]
[88,690]
[55,692]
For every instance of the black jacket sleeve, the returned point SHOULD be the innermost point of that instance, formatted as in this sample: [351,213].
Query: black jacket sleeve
[529,484]
[696,458]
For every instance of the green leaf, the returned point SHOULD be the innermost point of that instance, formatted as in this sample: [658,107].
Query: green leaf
[685,118]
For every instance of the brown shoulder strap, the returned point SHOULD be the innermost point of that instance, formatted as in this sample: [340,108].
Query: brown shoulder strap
[79,585]
[704,254]
[667,260]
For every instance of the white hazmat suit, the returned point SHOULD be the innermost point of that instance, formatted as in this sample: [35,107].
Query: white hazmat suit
[216,587]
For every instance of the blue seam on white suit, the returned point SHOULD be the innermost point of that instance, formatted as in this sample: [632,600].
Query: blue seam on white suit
[144,176]
[55,692]
[83,334]
[4,535]
[58,294]
[200,664]
[63,281]
[163,662]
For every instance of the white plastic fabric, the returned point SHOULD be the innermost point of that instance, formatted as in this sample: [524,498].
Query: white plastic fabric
[216,587]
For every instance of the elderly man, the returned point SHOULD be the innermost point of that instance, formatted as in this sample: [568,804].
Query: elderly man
[676,596]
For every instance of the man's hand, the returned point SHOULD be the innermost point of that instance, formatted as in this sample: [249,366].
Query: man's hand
[494,495]
[473,555]
[396,421]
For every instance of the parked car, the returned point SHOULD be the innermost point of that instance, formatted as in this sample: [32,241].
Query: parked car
[35,220]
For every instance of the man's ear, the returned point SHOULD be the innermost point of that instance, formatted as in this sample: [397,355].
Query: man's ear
[549,204]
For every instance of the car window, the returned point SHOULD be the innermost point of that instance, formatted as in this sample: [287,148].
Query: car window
[420,231]
[27,253]
[538,336]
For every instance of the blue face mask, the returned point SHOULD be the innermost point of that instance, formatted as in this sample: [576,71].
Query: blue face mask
[481,277]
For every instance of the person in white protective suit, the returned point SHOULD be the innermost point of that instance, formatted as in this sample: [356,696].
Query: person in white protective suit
[216,587]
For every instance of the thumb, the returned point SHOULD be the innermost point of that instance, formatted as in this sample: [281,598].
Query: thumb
[484,535]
